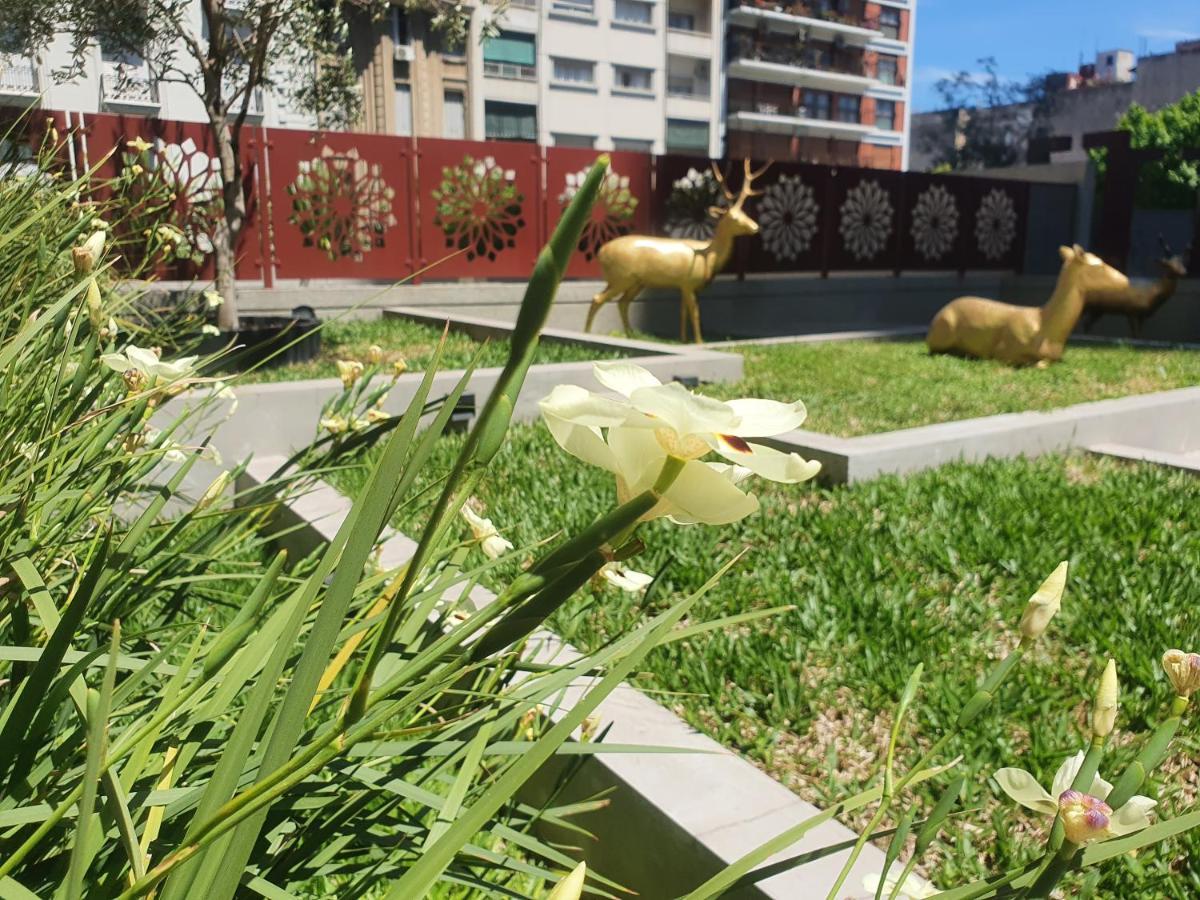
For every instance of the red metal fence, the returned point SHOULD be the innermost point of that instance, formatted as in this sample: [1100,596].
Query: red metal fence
[326,205]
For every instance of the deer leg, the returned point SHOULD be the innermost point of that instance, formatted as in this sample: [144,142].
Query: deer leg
[1135,327]
[683,317]
[598,301]
[623,306]
[694,310]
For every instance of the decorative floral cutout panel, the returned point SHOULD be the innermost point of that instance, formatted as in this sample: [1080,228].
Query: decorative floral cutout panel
[935,223]
[478,207]
[612,214]
[341,204]
[688,204]
[787,218]
[866,220]
[996,224]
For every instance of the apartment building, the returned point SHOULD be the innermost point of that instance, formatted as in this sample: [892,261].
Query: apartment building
[120,83]
[824,81]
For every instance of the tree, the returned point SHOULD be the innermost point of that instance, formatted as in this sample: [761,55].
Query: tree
[228,51]
[1171,182]
[988,121]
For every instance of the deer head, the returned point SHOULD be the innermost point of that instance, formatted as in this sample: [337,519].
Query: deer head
[1091,273]
[1173,265]
[739,222]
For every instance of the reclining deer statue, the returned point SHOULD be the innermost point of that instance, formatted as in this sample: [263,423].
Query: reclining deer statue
[1138,302]
[635,262]
[1024,335]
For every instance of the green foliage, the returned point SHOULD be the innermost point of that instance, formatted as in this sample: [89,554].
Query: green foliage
[1172,182]
[890,574]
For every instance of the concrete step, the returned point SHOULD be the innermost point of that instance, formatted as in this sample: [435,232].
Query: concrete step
[1187,461]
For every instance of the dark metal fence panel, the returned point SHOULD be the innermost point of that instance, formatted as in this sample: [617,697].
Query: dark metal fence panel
[934,224]
[863,220]
[997,213]
[793,217]
[481,202]
[340,204]
[623,206]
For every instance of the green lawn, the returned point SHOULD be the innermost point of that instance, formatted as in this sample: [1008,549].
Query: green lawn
[413,342]
[933,568]
[866,387]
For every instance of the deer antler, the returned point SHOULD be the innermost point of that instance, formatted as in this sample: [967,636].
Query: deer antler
[720,176]
[747,181]
[1166,248]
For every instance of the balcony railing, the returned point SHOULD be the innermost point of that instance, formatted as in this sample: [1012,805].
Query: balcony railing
[524,4]
[791,55]
[18,75]
[688,87]
[127,84]
[510,70]
[806,11]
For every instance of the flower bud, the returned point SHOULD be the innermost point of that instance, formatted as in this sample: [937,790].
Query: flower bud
[86,257]
[212,299]
[374,354]
[399,367]
[334,424]
[571,887]
[1183,670]
[377,415]
[95,304]
[141,146]
[1085,818]
[1104,709]
[1044,604]
[349,370]
[214,491]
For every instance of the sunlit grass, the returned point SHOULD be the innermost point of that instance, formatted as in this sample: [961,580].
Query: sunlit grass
[933,568]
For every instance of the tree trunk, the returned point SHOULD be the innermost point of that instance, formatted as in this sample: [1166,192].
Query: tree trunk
[229,226]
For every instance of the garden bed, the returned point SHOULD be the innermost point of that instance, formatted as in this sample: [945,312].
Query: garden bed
[888,574]
[862,387]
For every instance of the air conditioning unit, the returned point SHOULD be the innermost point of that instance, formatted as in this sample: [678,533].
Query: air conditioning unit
[402,52]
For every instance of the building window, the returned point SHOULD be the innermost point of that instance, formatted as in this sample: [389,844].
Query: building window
[454,115]
[885,115]
[574,71]
[585,141]
[848,109]
[681,21]
[403,101]
[634,12]
[511,54]
[576,7]
[509,121]
[399,26]
[889,22]
[816,104]
[687,137]
[631,78]
[887,69]
[633,145]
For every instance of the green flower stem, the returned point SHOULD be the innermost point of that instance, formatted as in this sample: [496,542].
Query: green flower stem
[1149,758]
[979,701]
[1083,782]
[1059,865]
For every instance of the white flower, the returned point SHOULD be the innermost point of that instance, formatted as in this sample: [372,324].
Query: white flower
[146,362]
[866,219]
[914,887]
[222,391]
[632,437]
[788,217]
[212,299]
[211,330]
[1183,671]
[935,222]
[171,451]
[1023,787]
[626,579]
[490,541]
[333,424]
[349,370]
[996,224]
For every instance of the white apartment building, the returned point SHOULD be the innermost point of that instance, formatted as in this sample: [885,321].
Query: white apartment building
[638,75]
[114,82]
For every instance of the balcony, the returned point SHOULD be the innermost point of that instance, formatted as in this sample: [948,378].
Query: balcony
[796,17]
[511,71]
[688,87]
[128,86]
[785,118]
[824,68]
[18,76]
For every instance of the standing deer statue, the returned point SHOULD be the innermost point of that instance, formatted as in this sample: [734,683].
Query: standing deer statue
[1138,302]
[635,262]
[1024,335]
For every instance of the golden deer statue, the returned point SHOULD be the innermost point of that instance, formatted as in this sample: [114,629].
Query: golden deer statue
[1024,335]
[635,262]
[1138,302]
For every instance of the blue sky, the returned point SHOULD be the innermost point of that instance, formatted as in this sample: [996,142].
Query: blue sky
[1028,37]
